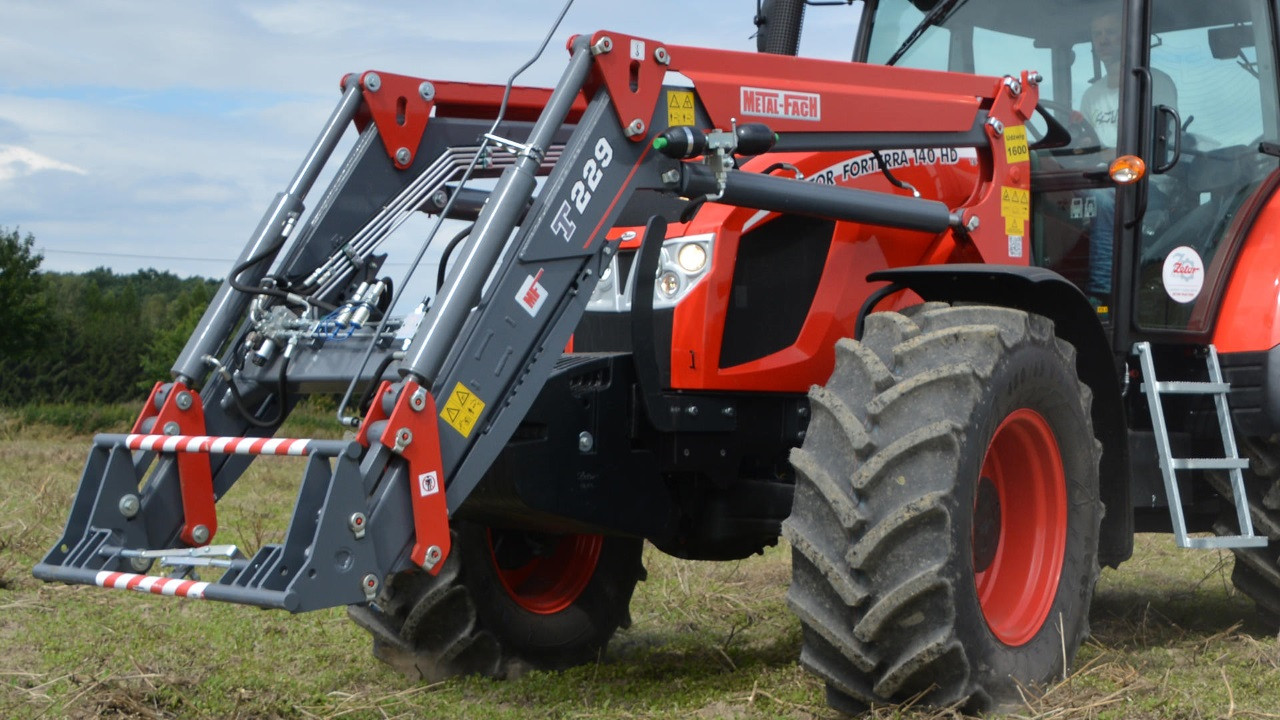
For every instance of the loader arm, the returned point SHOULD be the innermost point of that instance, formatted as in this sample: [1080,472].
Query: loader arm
[453,385]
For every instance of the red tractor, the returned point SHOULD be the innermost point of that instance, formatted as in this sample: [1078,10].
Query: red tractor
[906,312]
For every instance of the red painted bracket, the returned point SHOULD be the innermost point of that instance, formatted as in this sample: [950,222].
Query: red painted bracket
[1010,169]
[400,109]
[195,472]
[632,68]
[413,432]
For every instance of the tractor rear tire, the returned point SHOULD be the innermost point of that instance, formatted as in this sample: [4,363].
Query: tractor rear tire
[505,602]
[1257,570]
[946,517]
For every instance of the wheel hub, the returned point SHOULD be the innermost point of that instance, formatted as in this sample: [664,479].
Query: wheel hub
[544,575]
[1018,555]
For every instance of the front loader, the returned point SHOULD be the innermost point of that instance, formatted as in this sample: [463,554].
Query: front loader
[707,299]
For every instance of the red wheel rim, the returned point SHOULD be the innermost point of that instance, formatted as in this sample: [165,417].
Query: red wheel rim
[550,583]
[1017,587]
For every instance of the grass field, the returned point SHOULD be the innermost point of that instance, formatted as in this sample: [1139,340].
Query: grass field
[709,640]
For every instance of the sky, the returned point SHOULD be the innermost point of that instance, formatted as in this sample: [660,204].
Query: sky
[154,134]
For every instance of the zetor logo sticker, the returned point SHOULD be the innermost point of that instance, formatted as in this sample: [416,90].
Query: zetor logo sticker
[1183,274]
[532,295]
[781,104]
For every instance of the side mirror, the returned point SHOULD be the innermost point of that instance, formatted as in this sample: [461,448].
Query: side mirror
[1226,43]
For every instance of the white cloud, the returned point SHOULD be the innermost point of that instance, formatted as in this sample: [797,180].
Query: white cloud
[16,162]
[152,129]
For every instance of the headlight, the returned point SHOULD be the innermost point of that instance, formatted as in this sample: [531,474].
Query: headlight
[682,263]
[692,257]
[668,284]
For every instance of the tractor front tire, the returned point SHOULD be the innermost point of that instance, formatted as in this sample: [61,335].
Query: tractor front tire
[506,601]
[946,516]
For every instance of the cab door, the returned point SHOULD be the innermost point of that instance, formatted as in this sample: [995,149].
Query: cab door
[1203,156]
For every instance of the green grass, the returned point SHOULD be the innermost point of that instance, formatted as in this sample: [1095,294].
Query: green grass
[1170,639]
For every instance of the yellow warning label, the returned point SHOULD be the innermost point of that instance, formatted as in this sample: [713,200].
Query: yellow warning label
[462,410]
[1015,144]
[1015,206]
[679,107]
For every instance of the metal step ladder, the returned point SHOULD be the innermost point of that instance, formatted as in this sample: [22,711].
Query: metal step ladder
[1232,462]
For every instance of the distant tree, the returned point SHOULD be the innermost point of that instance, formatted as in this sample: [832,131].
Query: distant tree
[102,336]
[182,316]
[22,300]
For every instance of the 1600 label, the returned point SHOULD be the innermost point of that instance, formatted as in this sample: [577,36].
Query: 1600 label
[582,191]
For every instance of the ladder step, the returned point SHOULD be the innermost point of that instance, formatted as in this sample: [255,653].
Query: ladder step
[1180,387]
[1224,542]
[1209,463]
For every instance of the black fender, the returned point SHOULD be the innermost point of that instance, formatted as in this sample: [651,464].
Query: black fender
[1047,293]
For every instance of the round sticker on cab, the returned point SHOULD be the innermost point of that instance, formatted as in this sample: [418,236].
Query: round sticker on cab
[1183,274]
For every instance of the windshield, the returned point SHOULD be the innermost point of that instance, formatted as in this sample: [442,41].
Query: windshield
[995,37]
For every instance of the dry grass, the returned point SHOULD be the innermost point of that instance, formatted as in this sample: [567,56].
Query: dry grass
[1170,639]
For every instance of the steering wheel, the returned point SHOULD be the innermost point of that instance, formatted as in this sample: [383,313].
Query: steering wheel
[1084,139]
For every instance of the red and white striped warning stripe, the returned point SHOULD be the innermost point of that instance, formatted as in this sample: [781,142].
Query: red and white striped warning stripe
[151,584]
[217,445]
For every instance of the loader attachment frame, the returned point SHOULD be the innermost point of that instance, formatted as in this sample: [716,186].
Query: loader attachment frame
[452,385]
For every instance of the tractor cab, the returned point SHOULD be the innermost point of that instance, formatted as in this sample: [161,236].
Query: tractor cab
[1186,87]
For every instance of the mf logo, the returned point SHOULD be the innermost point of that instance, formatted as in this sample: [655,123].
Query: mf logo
[532,295]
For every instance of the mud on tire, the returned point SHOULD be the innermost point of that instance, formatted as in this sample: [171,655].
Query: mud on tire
[538,602]
[940,445]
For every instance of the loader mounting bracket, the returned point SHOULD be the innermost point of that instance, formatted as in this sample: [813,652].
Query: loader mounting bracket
[411,430]
[175,409]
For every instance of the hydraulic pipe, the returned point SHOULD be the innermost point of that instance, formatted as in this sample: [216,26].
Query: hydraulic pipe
[507,203]
[779,194]
[229,304]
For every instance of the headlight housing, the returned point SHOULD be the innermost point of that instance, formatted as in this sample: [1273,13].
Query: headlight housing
[682,264]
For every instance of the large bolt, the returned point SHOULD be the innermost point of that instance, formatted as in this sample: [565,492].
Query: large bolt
[140,564]
[433,557]
[183,401]
[404,436]
[356,522]
[418,400]
[372,82]
[427,91]
[129,505]
[200,534]
[171,428]
[585,441]
[403,156]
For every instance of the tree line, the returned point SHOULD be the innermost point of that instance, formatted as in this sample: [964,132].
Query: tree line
[94,337]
